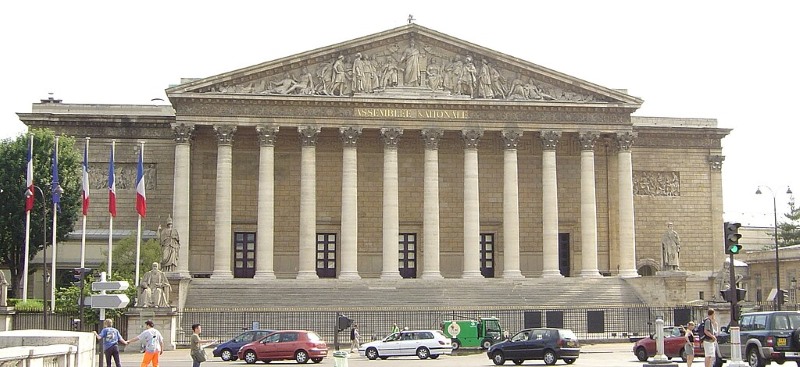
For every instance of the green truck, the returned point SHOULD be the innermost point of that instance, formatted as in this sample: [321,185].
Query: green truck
[482,332]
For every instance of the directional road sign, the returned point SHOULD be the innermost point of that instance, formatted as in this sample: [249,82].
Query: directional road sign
[110,286]
[108,300]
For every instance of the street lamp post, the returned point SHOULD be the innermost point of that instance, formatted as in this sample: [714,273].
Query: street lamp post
[775,235]
[44,256]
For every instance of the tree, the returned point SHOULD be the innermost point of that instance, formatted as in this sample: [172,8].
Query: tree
[13,171]
[789,231]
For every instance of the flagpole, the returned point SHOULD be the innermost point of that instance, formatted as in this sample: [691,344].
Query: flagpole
[111,216]
[139,223]
[84,204]
[54,242]
[28,224]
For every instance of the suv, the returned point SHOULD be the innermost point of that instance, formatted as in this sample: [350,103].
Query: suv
[767,336]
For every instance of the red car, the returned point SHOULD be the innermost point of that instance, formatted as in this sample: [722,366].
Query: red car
[673,344]
[300,345]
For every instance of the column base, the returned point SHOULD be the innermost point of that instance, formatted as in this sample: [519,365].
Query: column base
[473,274]
[264,275]
[593,273]
[391,275]
[349,275]
[221,274]
[431,275]
[306,275]
[551,274]
[631,273]
[513,274]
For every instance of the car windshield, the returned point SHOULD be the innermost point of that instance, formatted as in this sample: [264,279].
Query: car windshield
[567,334]
[312,336]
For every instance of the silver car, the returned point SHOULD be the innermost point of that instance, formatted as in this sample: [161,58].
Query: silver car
[421,343]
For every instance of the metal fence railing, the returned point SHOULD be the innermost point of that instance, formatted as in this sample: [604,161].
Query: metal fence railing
[61,321]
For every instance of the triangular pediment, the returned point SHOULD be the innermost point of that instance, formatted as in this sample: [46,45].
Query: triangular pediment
[406,62]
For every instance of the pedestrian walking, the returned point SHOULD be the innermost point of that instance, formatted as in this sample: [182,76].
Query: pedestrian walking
[688,348]
[395,328]
[710,330]
[354,338]
[197,352]
[153,344]
[110,337]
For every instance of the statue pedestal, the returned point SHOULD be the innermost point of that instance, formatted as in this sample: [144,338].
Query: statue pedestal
[165,320]
[180,288]
[6,316]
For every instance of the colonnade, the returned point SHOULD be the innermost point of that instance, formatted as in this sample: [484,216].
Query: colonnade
[349,223]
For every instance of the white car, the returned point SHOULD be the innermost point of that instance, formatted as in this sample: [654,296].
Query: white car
[421,343]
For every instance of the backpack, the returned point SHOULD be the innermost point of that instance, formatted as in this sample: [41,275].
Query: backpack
[701,330]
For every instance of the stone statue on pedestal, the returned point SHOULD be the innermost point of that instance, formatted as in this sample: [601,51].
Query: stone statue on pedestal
[3,289]
[154,289]
[671,249]
[170,247]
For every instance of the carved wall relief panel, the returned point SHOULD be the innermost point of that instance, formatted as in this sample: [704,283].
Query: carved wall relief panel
[656,183]
[124,176]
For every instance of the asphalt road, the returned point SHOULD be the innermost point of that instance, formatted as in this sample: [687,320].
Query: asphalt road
[592,355]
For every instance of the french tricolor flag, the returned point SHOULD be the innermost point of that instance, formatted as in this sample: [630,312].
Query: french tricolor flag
[85,180]
[141,198]
[112,186]
[29,179]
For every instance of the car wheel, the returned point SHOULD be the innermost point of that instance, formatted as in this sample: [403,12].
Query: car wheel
[549,357]
[456,344]
[371,353]
[498,358]
[250,357]
[569,360]
[316,360]
[486,344]
[226,355]
[434,356]
[518,361]
[423,353]
[301,356]
[754,358]
[641,354]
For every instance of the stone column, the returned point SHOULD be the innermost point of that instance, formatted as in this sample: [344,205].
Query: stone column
[349,252]
[222,209]
[550,267]
[511,268]
[715,164]
[180,192]
[265,234]
[472,215]
[306,266]
[627,233]
[391,209]
[588,207]
[430,221]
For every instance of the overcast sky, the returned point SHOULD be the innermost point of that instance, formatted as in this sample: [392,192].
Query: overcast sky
[733,61]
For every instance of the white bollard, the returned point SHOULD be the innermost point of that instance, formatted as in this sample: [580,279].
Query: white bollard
[659,341]
[736,348]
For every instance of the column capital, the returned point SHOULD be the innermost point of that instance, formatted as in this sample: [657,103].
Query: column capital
[511,138]
[550,139]
[266,135]
[182,133]
[350,135]
[391,136]
[225,134]
[431,138]
[308,135]
[716,162]
[587,139]
[625,140]
[471,138]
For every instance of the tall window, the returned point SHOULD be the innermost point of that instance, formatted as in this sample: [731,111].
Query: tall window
[326,255]
[244,254]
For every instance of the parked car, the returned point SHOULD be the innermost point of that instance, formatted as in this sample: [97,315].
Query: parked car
[674,342]
[229,349]
[766,337]
[545,344]
[300,345]
[422,343]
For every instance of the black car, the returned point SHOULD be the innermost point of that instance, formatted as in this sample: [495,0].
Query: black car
[545,344]
[766,337]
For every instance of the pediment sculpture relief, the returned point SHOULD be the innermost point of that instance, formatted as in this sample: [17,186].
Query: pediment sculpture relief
[409,65]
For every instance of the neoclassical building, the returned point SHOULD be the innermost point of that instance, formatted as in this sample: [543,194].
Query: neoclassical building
[408,154]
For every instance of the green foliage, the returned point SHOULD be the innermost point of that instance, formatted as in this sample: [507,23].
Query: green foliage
[124,259]
[789,231]
[13,169]
[30,305]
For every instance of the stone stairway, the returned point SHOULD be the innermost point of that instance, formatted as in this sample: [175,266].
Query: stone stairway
[443,294]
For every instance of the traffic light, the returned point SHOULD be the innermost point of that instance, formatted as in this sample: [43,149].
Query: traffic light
[732,237]
[79,274]
[343,322]
[783,296]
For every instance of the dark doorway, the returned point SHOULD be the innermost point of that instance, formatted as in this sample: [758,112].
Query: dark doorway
[244,254]
[487,255]
[407,262]
[563,254]
[326,255]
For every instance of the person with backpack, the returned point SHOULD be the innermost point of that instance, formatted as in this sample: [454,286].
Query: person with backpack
[110,337]
[709,330]
[153,344]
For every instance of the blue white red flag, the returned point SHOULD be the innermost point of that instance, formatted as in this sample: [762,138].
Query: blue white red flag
[85,179]
[55,187]
[29,179]
[112,186]
[141,199]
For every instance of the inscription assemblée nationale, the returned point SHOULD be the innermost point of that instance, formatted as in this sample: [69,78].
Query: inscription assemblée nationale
[411,113]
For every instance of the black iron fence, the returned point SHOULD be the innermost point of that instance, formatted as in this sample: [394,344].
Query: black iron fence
[61,321]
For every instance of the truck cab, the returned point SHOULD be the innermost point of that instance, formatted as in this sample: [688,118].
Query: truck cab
[480,333]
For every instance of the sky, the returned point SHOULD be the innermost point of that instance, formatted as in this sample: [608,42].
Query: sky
[734,61]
